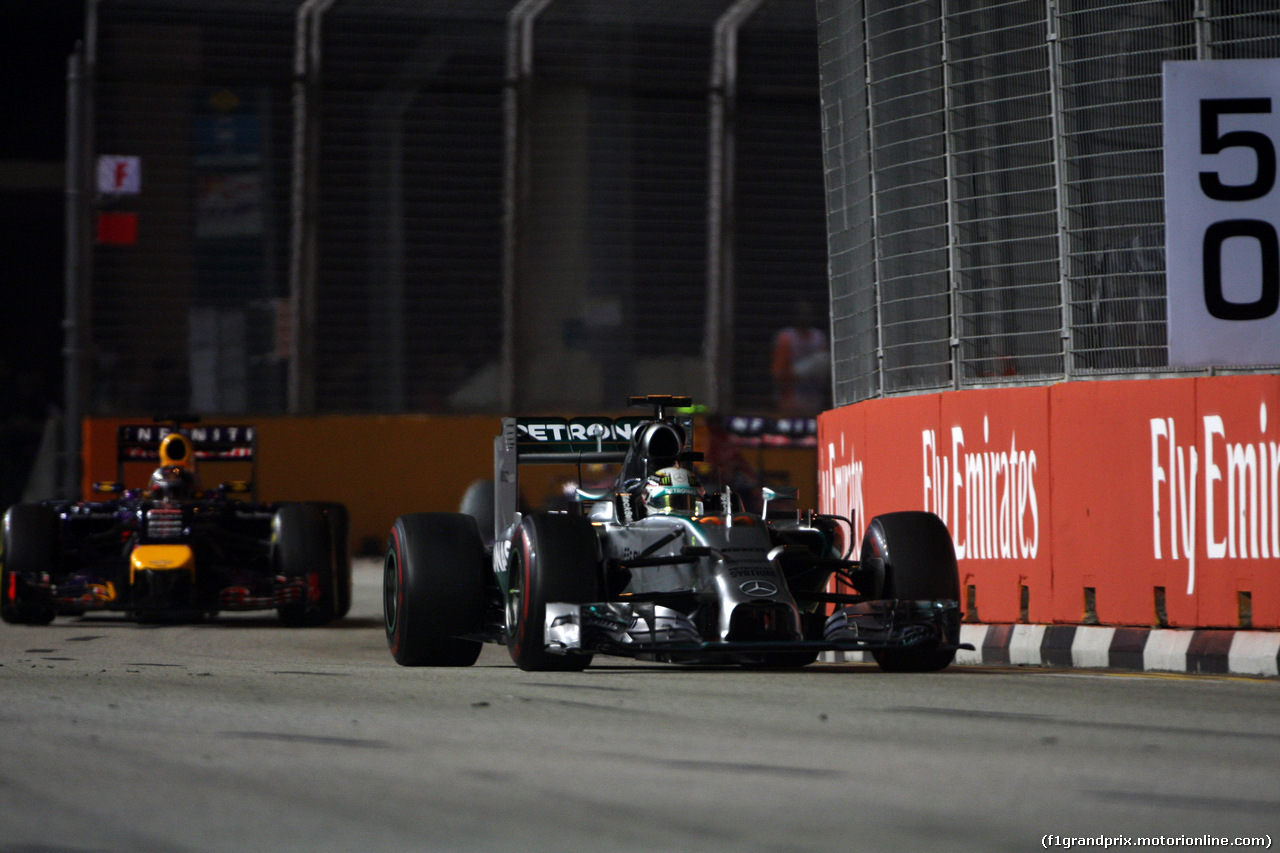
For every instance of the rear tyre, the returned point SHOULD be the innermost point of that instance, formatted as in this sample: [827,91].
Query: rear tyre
[340,533]
[29,547]
[302,547]
[553,558]
[433,589]
[478,503]
[919,561]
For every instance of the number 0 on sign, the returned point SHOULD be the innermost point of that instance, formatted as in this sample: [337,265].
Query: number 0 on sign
[1222,211]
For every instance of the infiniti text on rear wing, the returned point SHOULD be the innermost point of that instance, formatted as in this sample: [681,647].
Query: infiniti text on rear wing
[210,443]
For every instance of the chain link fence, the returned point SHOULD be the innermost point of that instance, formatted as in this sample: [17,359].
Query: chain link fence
[995,191]
[440,206]
[187,279]
[388,206]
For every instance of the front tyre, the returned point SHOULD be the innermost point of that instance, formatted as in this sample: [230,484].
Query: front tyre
[919,562]
[302,548]
[29,548]
[554,558]
[433,589]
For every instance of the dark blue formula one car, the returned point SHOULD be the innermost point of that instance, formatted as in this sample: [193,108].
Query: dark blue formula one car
[171,551]
[655,568]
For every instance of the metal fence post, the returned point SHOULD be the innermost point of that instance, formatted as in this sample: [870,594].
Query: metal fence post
[1059,186]
[723,92]
[949,178]
[74,269]
[303,207]
[515,181]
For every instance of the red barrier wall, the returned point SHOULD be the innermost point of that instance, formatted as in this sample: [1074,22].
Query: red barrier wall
[1133,502]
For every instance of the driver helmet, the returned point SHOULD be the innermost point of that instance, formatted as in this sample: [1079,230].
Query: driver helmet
[172,481]
[673,491]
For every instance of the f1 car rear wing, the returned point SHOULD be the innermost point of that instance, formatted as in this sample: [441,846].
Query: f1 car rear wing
[209,443]
[141,442]
[569,441]
[760,431]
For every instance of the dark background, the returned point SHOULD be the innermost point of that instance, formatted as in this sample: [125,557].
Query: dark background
[34,45]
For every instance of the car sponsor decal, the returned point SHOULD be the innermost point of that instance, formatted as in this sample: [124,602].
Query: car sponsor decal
[141,443]
[755,572]
[579,435]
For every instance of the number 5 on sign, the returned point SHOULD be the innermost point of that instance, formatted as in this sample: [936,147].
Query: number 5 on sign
[1222,212]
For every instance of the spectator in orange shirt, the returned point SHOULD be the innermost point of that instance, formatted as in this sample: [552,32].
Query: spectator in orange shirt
[801,364]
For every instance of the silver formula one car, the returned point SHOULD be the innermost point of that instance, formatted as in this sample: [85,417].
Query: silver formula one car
[656,568]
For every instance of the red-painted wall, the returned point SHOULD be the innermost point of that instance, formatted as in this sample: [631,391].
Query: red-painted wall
[1132,502]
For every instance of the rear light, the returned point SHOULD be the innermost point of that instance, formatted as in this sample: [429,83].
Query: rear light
[164,522]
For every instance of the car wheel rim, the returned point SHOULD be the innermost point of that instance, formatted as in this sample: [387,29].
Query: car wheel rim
[515,593]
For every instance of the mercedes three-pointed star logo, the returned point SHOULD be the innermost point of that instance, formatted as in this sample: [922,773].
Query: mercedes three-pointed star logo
[759,589]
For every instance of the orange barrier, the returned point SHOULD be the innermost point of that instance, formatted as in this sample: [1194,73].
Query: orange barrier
[1129,502]
[380,467]
[384,466]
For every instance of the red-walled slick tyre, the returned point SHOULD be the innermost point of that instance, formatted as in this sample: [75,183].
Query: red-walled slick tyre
[433,589]
[554,558]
